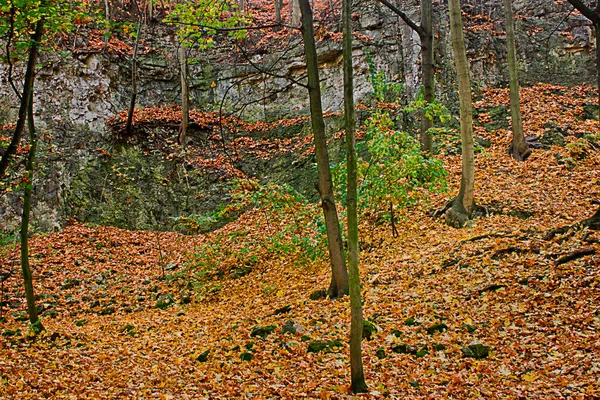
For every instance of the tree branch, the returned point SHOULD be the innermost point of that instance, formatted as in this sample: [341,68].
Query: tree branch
[586,11]
[417,28]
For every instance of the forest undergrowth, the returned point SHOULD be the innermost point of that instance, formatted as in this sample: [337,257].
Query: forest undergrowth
[229,314]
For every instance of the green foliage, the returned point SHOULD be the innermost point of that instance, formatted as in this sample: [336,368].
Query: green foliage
[431,110]
[18,19]
[383,91]
[198,21]
[286,227]
[392,169]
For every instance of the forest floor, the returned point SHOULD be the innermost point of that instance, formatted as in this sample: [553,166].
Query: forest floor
[212,327]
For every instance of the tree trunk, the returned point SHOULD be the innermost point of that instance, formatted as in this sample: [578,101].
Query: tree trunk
[597,27]
[518,148]
[27,276]
[129,123]
[278,6]
[150,13]
[339,275]
[107,16]
[295,12]
[594,221]
[185,96]
[36,38]
[426,36]
[463,204]
[594,16]
[357,375]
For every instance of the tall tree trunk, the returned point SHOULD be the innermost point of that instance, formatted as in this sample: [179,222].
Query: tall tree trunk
[35,40]
[107,16]
[594,16]
[597,28]
[278,6]
[295,12]
[339,274]
[518,148]
[27,276]
[426,36]
[185,96]
[463,204]
[357,375]
[150,12]
[129,123]
[425,32]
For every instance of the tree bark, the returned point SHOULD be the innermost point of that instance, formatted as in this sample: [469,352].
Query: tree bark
[463,204]
[358,384]
[425,32]
[518,148]
[295,12]
[129,123]
[594,16]
[278,6]
[427,71]
[185,96]
[593,222]
[339,274]
[36,38]
[25,268]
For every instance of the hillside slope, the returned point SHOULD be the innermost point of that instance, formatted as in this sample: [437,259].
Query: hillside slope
[116,329]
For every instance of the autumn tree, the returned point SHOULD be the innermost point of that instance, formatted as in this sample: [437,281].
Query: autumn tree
[198,21]
[425,32]
[25,25]
[339,275]
[518,148]
[357,375]
[462,206]
[21,19]
[592,13]
[134,65]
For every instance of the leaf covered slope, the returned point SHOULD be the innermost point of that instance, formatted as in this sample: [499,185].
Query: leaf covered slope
[213,328]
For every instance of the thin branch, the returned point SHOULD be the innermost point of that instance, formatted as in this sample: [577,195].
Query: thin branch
[268,71]
[417,28]
[239,28]
[586,11]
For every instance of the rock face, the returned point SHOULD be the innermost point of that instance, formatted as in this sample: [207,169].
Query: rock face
[74,96]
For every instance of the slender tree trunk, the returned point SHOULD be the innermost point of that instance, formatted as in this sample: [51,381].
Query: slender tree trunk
[339,274]
[518,148]
[295,12]
[27,276]
[107,16]
[357,375]
[594,16]
[185,96]
[426,36]
[278,6]
[36,38]
[463,204]
[597,28]
[150,11]
[129,122]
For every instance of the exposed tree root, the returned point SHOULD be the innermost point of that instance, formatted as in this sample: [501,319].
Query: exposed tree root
[592,223]
[575,255]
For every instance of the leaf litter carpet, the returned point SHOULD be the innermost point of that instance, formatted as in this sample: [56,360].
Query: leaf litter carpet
[499,282]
